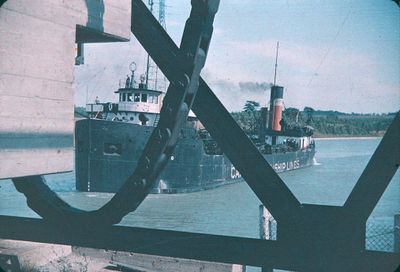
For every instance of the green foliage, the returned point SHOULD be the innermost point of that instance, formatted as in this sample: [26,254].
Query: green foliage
[325,123]
[333,123]
[251,106]
[351,125]
[250,119]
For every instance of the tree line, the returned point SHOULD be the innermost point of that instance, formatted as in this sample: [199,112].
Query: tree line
[325,123]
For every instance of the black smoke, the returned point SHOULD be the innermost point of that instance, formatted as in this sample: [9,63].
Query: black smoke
[254,87]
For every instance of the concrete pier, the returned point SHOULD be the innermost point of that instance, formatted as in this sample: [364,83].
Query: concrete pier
[16,255]
[38,47]
[21,254]
[150,263]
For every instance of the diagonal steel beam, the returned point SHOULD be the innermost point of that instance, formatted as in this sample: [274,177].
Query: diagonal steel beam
[377,175]
[260,176]
[256,171]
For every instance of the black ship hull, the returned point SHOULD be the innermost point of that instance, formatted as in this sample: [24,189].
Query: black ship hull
[107,153]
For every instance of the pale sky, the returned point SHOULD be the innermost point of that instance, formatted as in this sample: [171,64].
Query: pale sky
[334,55]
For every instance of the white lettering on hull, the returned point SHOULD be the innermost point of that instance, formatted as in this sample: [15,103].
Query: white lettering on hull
[278,167]
[290,165]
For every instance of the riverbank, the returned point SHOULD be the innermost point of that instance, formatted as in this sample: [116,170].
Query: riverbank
[330,138]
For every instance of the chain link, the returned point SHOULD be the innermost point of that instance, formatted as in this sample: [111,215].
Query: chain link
[156,154]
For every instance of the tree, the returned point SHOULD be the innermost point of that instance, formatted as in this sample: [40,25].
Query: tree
[251,106]
[309,112]
[252,110]
[291,115]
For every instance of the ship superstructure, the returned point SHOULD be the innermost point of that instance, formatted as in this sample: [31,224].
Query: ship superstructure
[136,103]
[109,143]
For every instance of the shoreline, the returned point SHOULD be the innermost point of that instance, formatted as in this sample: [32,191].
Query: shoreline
[330,138]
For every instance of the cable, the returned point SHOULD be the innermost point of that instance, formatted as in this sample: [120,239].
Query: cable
[330,47]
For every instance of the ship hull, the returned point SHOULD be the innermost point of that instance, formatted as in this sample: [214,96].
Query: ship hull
[107,153]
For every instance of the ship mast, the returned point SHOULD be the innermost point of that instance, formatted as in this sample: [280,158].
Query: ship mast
[161,14]
[276,61]
[161,20]
[151,3]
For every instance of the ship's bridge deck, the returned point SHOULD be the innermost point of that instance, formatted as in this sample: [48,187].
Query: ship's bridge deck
[139,100]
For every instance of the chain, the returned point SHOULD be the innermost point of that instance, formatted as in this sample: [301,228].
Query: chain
[180,95]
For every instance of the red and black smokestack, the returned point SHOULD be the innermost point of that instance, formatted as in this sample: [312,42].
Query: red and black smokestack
[276,108]
[276,101]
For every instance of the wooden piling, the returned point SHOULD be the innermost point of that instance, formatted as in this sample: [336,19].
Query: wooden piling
[396,233]
[265,229]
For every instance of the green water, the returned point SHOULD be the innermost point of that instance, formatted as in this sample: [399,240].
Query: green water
[233,209]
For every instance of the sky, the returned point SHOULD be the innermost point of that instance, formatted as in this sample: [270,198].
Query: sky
[333,55]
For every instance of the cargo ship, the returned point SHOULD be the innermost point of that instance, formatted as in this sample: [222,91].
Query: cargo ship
[110,141]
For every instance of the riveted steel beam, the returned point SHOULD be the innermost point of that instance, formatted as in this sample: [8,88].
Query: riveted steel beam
[206,247]
[184,82]
[256,171]
[377,175]
[198,246]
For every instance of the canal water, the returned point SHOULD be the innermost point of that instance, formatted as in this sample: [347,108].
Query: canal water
[233,209]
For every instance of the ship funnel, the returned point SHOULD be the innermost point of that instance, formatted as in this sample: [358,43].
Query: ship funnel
[276,101]
[276,108]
